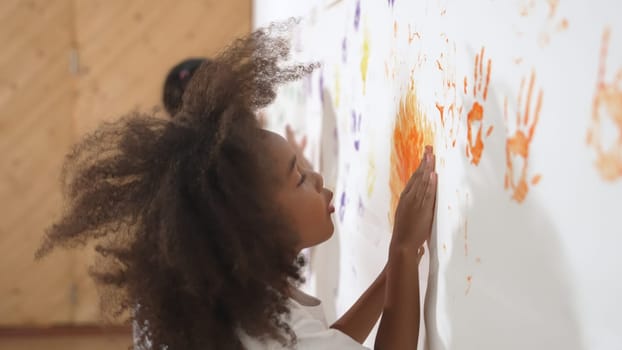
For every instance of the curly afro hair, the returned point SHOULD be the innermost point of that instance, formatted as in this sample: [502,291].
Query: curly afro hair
[189,242]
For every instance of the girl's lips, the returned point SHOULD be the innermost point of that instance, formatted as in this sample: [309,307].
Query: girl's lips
[331,208]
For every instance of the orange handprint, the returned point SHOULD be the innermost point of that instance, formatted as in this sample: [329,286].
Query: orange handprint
[607,103]
[446,99]
[550,21]
[475,144]
[517,146]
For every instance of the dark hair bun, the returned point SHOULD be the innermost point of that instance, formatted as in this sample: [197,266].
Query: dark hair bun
[176,81]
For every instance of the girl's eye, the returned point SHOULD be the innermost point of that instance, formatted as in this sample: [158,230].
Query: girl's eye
[303,177]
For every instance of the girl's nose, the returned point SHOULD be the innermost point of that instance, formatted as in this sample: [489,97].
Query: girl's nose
[319,181]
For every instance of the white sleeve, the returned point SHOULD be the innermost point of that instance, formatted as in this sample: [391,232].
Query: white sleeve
[313,335]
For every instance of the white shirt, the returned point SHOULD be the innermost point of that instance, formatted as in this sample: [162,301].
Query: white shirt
[307,320]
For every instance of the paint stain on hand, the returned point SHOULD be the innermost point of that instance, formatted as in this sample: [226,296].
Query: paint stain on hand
[607,107]
[412,132]
[518,144]
[475,116]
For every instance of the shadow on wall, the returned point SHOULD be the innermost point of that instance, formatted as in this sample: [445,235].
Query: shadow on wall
[506,279]
[325,257]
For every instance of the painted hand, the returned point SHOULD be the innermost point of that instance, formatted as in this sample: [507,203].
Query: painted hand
[415,210]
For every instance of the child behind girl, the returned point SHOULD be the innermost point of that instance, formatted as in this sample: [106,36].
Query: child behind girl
[199,220]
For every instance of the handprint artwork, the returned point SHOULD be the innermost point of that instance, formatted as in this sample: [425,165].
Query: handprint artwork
[447,98]
[547,12]
[475,116]
[518,141]
[411,133]
[607,116]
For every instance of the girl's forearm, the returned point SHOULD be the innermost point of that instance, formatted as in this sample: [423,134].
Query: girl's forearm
[399,326]
[359,320]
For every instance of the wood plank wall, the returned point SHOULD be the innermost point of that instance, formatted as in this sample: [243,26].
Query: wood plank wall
[65,66]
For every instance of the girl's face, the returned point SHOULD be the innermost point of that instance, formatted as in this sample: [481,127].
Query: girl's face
[300,193]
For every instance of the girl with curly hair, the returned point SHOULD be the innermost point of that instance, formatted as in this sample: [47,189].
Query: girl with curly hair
[198,220]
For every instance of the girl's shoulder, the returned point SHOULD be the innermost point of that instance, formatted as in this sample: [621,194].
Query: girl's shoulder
[308,322]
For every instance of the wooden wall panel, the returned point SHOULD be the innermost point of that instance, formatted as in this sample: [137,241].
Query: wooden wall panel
[66,65]
[37,98]
[125,50]
[66,338]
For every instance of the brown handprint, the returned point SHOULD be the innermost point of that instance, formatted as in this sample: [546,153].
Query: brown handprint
[481,79]
[517,145]
[607,103]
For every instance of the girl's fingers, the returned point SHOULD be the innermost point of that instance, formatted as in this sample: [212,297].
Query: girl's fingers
[289,133]
[420,186]
[425,159]
[430,193]
[415,175]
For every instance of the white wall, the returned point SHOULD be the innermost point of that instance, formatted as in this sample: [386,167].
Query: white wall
[507,272]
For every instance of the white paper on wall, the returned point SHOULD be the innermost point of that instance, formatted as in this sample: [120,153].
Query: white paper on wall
[522,101]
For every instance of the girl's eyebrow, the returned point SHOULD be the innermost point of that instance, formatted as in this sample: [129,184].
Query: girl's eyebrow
[292,165]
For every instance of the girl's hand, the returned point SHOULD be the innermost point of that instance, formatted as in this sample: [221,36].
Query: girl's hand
[415,210]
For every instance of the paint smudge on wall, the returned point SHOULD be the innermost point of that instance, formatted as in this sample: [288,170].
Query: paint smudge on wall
[447,98]
[371,175]
[344,50]
[548,14]
[357,15]
[361,206]
[554,25]
[518,143]
[342,206]
[469,281]
[412,35]
[391,2]
[411,133]
[607,117]
[365,58]
[390,65]
[356,129]
[475,116]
